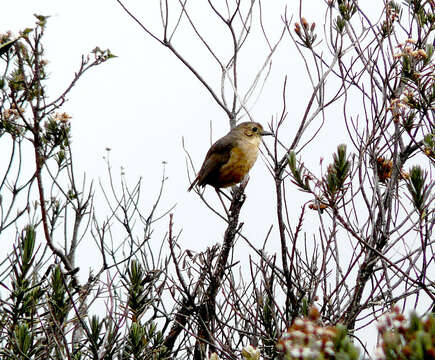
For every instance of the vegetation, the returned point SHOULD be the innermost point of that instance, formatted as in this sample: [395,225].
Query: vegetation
[306,301]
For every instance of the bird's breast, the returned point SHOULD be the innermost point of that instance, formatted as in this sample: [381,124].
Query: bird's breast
[242,158]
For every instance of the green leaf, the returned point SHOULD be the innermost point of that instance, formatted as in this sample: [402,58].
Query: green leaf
[26,31]
[28,244]
[42,19]
[299,176]
[338,171]
[418,189]
[4,48]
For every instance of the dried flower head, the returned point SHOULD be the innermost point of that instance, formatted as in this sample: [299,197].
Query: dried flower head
[308,339]
[251,353]
[213,356]
[384,168]
[62,117]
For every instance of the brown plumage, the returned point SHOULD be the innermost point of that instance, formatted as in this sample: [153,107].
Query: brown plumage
[231,157]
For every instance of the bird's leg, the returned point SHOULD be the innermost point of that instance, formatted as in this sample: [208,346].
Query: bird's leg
[219,192]
[241,186]
[245,181]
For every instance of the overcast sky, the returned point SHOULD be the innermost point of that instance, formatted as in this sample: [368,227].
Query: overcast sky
[143,102]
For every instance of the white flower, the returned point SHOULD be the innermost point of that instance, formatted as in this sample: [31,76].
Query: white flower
[296,334]
[329,351]
[308,353]
[309,327]
[329,343]
[296,352]
[318,344]
[299,322]
[397,323]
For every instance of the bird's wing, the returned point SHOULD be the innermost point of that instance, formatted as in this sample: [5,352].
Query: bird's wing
[218,155]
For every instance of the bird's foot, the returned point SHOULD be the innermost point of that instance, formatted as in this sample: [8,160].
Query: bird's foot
[239,191]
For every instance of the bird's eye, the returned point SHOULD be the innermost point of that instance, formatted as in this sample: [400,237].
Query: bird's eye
[254,129]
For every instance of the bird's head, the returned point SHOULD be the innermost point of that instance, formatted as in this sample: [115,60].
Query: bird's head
[251,130]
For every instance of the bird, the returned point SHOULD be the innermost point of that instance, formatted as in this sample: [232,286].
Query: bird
[231,157]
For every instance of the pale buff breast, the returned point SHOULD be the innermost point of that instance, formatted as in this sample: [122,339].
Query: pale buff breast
[243,157]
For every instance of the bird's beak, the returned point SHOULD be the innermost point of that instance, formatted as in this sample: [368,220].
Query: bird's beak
[265,133]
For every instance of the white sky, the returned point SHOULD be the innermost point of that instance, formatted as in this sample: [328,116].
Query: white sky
[142,103]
